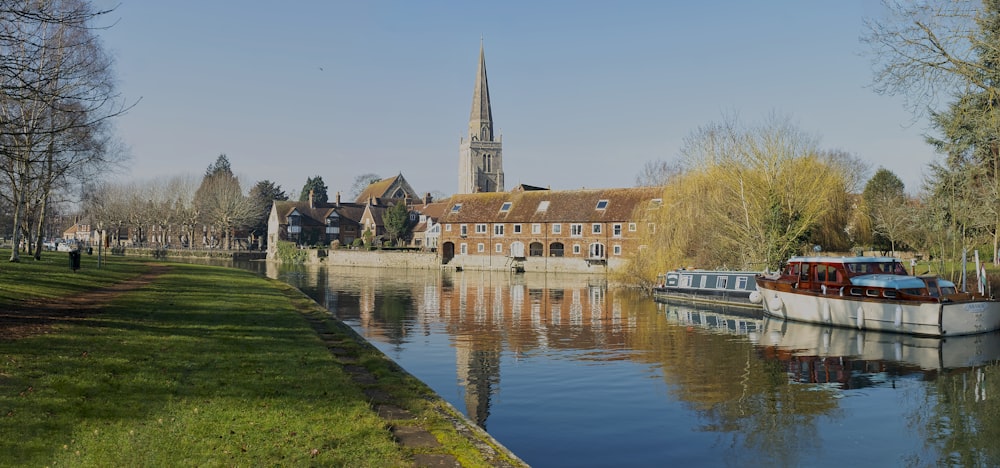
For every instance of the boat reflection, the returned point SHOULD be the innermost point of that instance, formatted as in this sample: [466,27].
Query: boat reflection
[821,354]
[716,319]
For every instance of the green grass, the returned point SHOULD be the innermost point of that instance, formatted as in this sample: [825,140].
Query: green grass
[205,366]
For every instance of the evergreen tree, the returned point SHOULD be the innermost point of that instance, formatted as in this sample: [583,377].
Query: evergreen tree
[397,221]
[318,188]
[263,195]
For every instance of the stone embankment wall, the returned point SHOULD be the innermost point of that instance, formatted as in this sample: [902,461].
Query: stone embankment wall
[533,264]
[375,258]
[430,260]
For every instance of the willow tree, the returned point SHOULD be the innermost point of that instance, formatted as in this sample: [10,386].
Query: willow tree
[749,198]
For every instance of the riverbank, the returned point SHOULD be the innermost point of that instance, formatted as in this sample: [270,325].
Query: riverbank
[138,363]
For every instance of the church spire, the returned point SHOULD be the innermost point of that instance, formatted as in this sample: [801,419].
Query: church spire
[481,118]
[480,160]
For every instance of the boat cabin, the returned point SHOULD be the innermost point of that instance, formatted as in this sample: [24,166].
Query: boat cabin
[872,277]
[732,281]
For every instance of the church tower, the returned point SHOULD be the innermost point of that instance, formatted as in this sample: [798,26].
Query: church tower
[480,158]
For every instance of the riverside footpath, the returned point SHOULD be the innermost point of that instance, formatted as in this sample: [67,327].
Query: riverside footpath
[138,363]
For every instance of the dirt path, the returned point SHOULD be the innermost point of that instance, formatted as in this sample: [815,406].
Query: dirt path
[33,317]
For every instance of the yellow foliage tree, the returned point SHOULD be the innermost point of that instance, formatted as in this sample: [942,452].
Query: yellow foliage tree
[748,199]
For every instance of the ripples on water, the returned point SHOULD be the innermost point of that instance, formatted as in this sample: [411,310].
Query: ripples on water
[567,372]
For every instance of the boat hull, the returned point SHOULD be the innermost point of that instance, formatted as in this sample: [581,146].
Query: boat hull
[911,317]
[720,298]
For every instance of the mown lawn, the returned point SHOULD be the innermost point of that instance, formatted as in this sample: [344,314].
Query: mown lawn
[204,366]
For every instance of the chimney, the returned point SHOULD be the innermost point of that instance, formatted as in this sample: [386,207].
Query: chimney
[338,198]
[427,198]
[311,205]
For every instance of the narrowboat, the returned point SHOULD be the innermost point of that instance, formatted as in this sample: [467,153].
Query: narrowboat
[727,288]
[874,293]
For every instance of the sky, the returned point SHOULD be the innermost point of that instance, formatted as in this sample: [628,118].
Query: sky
[585,93]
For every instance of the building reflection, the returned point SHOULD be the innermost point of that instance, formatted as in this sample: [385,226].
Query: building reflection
[754,378]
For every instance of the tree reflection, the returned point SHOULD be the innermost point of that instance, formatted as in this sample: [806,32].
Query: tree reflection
[960,419]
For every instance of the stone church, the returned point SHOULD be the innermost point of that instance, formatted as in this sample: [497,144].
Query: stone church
[480,163]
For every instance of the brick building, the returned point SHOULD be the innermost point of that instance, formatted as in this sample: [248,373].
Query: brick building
[544,230]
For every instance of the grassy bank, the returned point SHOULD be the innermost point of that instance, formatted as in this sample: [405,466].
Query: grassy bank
[201,366]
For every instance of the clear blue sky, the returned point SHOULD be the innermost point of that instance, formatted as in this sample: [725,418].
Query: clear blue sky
[584,92]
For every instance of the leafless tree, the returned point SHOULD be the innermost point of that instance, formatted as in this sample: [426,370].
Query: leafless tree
[928,48]
[223,204]
[657,173]
[58,95]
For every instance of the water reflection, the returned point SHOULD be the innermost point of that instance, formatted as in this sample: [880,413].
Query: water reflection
[566,371]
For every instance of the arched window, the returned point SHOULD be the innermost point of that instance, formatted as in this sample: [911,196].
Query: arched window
[596,250]
[536,249]
[556,249]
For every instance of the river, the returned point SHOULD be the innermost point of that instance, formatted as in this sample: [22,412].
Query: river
[565,371]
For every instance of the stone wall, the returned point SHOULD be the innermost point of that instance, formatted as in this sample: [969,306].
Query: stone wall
[534,264]
[378,258]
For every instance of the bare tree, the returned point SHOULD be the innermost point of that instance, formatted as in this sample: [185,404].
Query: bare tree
[657,173]
[926,48]
[222,204]
[362,182]
[57,93]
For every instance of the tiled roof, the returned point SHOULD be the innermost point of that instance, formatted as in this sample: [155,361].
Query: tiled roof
[563,205]
[316,216]
[380,190]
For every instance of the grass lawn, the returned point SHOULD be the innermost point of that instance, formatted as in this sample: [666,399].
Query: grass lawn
[201,366]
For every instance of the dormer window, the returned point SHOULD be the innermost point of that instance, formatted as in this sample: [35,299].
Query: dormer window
[505,207]
[333,219]
[543,205]
[456,207]
[602,204]
[655,203]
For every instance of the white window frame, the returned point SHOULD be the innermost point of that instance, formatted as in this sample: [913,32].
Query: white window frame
[536,228]
[616,230]
[595,228]
[463,248]
[557,228]
[632,227]
[481,228]
[447,227]
[499,248]
[498,230]
[463,230]
[480,247]
[617,249]
[576,230]
[517,229]
[576,249]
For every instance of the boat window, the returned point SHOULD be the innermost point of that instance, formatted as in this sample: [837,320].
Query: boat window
[722,282]
[946,290]
[859,267]
[872,292]
[855,291]
[889,293]
[804,275]
[741,282]
[932,287]
[820,273]
[686,281]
